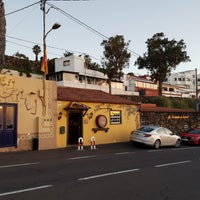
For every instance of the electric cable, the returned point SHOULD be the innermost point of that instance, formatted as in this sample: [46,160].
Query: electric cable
[21,9]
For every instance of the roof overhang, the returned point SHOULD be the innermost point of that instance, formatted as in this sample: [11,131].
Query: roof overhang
[76,106]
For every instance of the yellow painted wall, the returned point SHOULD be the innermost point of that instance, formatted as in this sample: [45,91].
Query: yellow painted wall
[36,109]
[116,133]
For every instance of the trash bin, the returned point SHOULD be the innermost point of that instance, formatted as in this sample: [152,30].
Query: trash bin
[35,144]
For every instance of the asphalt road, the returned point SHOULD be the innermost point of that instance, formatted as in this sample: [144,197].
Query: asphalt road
[118,172]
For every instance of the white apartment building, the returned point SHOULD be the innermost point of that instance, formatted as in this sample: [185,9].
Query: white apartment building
[185,82]
[71,72]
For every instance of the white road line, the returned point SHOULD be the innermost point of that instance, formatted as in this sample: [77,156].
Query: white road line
[187,148]
[19,165]
[107,174]
[154,150]
[174,163]
[25,190]
[82,157]
[124,153]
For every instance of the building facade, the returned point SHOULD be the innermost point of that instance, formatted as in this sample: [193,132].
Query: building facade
[27,113]
[86,113]
[71,72]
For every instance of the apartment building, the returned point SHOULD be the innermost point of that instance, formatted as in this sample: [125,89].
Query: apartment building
[71,71]
[186,82]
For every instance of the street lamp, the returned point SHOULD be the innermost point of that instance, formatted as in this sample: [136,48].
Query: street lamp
[44,60]
[55,26]
[44,66]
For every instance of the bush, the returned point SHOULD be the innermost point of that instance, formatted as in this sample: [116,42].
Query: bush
[171,102]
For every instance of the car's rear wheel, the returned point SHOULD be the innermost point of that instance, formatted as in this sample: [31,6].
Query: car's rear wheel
[157,144]
[178,143]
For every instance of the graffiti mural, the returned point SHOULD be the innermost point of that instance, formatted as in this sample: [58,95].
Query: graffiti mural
[10,93]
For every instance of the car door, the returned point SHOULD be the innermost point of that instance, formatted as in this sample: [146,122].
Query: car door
[171,139]
[164,136]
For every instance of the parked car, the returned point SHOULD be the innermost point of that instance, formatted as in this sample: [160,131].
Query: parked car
[155,136]
[191,136]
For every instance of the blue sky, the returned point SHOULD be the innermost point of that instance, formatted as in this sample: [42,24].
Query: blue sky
[136,20]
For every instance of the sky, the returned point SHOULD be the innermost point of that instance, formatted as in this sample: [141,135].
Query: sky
[136,20]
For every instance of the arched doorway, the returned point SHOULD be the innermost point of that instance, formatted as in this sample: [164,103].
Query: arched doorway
[76,111]
[75,127]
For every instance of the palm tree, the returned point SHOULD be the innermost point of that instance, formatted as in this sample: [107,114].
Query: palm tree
[36,50]
[2,34]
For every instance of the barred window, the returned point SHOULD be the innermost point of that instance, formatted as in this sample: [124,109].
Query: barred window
[115,117]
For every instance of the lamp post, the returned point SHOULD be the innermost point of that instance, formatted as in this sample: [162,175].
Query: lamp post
[44,60]
[44,66]
[56,25]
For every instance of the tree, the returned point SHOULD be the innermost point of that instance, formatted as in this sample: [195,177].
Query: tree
[116,58]
[2,34]
[21,56]
[162,56]
[91,65]
[67,53]
[36,50]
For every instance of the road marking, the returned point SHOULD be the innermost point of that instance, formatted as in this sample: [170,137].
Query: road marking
[186,148]
[82,157]
[174,163]
[19,165]
[155,150]
[107,174]
[124,153]
[25,190]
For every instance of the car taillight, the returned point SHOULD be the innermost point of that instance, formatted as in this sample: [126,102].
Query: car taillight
[132,132]
[147,135]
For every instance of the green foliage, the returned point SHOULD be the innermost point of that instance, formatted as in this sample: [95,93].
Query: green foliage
[21,56]
[161,101]
[67,53]
[91,65]
[36,50]
[182,103]
[162,56]
[116,57]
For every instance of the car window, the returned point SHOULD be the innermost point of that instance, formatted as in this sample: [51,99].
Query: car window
[146,129]
[161,131]
[194,131]
[168,131]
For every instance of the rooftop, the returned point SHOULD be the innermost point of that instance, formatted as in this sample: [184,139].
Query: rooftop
[88,95]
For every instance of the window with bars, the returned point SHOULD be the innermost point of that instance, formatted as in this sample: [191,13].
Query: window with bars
[115,117]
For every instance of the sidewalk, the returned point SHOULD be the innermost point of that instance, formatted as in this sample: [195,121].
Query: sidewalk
[63,152]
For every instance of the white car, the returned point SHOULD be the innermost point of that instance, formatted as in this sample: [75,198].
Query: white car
[155,136]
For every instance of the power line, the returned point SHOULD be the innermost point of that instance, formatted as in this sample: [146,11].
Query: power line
[68,0]
[84,25]
[21,9]
[78,21]
[69,16]
[52,47]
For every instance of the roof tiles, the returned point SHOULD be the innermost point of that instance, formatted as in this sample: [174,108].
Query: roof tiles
[88,95]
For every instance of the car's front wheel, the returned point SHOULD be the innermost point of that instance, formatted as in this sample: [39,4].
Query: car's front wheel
[178,143]
[157,144]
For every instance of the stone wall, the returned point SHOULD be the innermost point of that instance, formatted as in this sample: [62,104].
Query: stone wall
[175,121]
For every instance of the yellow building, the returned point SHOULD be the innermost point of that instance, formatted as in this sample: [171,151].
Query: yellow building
[27,113]
[35,114]
[85,115]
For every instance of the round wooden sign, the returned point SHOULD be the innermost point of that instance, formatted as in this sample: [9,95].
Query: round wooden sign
[101,121]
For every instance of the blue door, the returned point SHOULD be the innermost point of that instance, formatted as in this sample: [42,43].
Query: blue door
[8,125]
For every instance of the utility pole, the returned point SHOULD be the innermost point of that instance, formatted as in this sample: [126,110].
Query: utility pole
[196,83]
[197,106]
